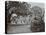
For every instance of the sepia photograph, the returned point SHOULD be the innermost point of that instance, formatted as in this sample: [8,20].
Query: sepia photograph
[24,17]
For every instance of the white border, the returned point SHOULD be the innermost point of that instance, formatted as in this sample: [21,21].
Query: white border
[2,16]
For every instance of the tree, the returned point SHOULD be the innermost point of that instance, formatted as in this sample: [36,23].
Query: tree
[37,11]
[21,8]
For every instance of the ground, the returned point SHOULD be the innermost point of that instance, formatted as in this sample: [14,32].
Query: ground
[19,29]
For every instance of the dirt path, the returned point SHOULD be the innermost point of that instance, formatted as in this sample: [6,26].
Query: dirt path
[19,29]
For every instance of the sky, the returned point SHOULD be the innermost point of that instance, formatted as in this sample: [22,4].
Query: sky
[37,4]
